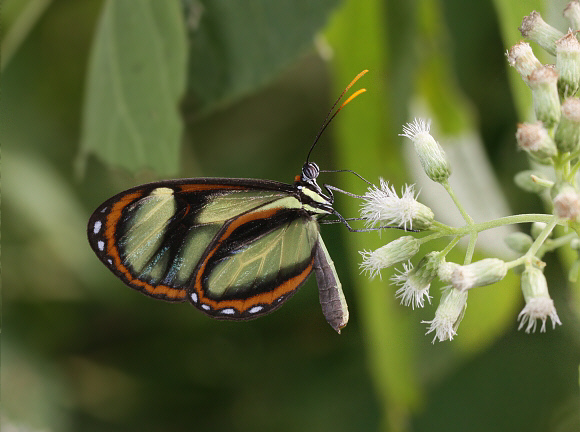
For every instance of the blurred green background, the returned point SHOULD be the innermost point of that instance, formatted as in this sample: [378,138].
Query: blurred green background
[97,97]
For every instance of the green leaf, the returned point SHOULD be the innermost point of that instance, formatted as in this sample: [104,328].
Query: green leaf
[238,46]
[136,79]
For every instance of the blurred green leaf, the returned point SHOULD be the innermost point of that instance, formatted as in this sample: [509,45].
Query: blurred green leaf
[239,46]
[136,78]
[436,78]
[35,387]
[47,205]
[22,17]
[363,136]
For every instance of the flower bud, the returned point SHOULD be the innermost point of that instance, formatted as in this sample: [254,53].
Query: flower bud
[567,203]
[448,315]
[522,58]
[519,242]
[544,85]
[539,305]
[536,29]
[567,135]
[384,205]
[479,273]
[568,64]
[430,153]
[401,249]
[534,139]
[572,14]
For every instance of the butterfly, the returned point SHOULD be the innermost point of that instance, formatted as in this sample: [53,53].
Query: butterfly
[236,249]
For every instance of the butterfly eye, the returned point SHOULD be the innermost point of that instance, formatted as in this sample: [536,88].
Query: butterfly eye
[310,171]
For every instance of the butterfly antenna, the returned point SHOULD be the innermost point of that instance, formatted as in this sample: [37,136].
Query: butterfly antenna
[331,114]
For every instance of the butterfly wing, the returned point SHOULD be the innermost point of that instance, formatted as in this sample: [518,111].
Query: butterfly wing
[237,249]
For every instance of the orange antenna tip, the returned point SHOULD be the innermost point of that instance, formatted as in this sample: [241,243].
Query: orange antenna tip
[356,78]
[331,114]
[352,96]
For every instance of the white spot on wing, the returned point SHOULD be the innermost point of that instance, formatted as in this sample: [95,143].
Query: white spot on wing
[228,311]
[194,297]
[104,210]
[255,309]
[110,261]
[205,307]
[97,227]
[101,245]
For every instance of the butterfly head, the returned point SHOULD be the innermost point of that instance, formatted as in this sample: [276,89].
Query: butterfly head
[308,176]
[310,172]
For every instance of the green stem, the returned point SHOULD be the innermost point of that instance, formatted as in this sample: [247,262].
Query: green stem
[430,237]
[474,229]
[551,245]
[460,207]
[562,166]
[536,246]
[470,248]
[450,246]
[541,238]
[508,220]
[441,226]
[573,171]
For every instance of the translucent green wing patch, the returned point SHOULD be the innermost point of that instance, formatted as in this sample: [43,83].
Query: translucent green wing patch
[147,222]
[232,203]
[257,261]
[265,259]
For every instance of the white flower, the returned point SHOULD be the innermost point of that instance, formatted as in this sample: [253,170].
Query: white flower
[539,304]
[431,154]
[418,126]
[448,315]
[401,249]
[414,287]
[538,309]
[384,204]
[479,273]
